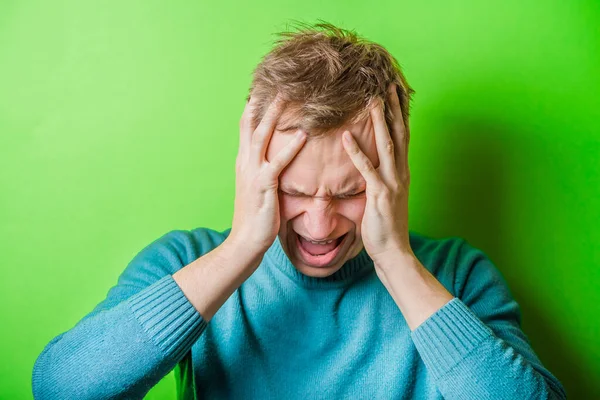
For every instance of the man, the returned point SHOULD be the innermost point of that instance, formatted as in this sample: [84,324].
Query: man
[318,290]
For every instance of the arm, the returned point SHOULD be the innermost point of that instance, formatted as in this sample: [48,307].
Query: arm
[146,324]
[472,344]
[160,306]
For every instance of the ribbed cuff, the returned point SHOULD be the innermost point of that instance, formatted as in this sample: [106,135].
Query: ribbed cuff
[168,317]
[447,336]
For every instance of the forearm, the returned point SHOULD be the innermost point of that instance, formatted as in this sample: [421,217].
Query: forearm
[465,357]
[414,289]
[210,280]
[120,352]
[146,324]
[467,360]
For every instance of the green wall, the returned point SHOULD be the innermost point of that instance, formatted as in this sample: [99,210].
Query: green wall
[119,122]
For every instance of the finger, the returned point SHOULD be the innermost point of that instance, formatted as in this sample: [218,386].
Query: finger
[399,133]
[362,163]
[385,144]
[287,154]
[262,134]
[247,124]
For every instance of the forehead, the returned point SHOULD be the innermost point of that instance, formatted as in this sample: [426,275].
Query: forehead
[322,167]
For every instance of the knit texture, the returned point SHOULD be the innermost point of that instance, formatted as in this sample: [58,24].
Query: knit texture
[285,335]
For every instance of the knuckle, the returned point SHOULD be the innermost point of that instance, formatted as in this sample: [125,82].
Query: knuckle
[394,101]
[247,122]
[257,137]
[382,196]
[274,165]
[354,149]
[268,178]
[367,166]
[389,146]
[276,104]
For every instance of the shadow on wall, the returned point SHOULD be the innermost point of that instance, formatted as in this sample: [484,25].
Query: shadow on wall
[477,157]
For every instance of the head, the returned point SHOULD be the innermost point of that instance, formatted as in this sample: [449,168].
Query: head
[330,79]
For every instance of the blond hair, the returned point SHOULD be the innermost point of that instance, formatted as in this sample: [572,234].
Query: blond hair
[329,76]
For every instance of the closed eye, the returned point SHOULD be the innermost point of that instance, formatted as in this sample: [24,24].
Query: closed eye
[350,196]
[342,197]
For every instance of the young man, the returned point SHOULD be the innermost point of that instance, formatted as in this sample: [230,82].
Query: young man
[318,290]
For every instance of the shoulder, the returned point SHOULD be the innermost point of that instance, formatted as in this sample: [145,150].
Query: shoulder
[439,255]
[190,244]
[456,263]
[179,247]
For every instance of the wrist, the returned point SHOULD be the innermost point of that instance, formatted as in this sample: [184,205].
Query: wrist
[233,246]
[397,258]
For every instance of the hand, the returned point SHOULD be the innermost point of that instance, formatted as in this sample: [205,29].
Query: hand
[384,227]
[256,215]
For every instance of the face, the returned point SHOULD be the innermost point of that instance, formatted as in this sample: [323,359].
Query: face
[322,196]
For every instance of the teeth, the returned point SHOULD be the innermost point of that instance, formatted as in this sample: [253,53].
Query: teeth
[327,242]
[321,242]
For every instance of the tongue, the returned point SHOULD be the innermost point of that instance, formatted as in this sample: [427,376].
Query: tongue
[318,249]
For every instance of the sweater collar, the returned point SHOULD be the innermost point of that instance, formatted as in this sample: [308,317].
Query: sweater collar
[352,269]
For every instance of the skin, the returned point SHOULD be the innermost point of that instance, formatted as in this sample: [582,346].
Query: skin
[371,155]
[210,280]
[322,170]
[385,234]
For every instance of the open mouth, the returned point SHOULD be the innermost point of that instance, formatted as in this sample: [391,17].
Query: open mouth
[317,255]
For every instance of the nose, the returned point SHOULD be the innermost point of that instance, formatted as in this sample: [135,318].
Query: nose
[320,219]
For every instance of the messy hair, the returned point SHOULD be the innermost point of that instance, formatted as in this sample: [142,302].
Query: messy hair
[329,76]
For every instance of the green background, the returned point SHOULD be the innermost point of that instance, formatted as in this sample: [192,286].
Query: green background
[119,122]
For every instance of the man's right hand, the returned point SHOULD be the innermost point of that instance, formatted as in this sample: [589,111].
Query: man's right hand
[256,216]
[208,281]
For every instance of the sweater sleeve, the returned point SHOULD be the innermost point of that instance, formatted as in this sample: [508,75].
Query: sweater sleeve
[474,346]
[129,341]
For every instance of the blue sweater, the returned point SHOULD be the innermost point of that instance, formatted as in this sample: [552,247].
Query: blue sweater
[284,335]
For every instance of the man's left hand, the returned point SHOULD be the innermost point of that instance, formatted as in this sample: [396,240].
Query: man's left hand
[384,227]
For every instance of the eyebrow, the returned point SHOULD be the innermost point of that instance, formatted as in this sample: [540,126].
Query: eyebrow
[353,189]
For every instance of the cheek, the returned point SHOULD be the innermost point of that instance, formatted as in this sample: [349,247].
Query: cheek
[289,207]
[354,210]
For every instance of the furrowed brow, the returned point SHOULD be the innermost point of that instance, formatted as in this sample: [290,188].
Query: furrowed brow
[350,191]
